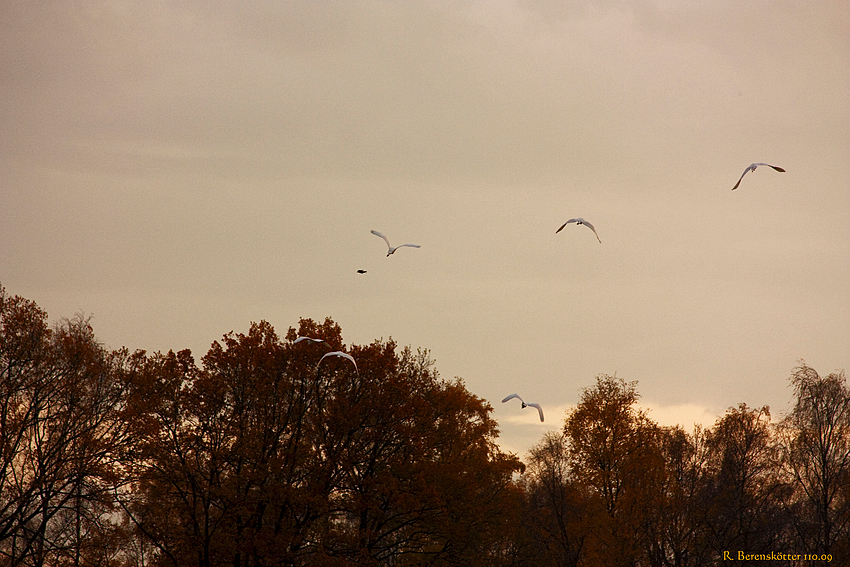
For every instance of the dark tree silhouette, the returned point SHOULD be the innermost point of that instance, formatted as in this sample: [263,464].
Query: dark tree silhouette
[557,508]
[816,437]
[62,432]
[262,458]
[743,490]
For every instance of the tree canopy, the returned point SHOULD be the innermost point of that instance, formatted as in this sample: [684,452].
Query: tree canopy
[258,454]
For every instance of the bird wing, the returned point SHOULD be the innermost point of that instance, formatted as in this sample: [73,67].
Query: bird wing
[311,339]
[565,224]
[376,233]
[411,245]
[779,169]
[512,396]
[539,409]
[590,226]
[749,168]
[337,353]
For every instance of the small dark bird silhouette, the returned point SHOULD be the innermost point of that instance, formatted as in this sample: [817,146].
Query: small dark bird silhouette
[361,271]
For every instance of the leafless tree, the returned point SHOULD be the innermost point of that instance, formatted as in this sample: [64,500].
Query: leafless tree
[816,437]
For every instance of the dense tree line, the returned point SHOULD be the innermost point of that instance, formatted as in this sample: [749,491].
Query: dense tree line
[614,488]
[256,456]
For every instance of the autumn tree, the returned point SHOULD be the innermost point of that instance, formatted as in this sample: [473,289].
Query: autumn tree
[220,472]
[743,490]
[262,456]
[61,404]
[614,488]
[675,534]
[420,476]
[816,443]
[615,453]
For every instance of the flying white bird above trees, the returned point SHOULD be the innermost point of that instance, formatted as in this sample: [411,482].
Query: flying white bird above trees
[752,167]
[311,340]
[579,221]
[340,354]
[391,249]
[524,404]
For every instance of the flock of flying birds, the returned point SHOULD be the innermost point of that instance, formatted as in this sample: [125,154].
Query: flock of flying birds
[578,221]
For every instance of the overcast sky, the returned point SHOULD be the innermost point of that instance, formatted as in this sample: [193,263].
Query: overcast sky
[177,170]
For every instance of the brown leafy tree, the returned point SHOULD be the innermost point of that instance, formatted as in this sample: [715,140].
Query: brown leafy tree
[420,476]
[261,457]
[220,471]
[614,488]
[615,453]
[61,427]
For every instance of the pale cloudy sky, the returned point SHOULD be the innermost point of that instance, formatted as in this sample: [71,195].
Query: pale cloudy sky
[179,169]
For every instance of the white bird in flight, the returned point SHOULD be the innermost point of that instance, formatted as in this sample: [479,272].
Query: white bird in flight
[392,249]
[579,221]
[524,405]
[340,354]
[752,167]
[310,339]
